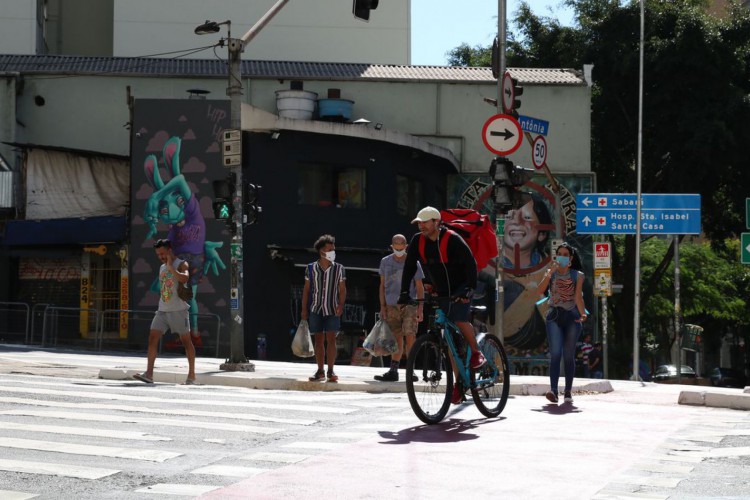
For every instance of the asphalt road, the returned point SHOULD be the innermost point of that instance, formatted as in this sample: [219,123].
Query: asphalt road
[64,433]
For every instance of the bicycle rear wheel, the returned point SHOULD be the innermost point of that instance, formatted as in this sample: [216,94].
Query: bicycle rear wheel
[430,395]
[492,380]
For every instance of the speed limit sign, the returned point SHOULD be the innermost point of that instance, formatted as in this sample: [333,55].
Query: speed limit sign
[539,152]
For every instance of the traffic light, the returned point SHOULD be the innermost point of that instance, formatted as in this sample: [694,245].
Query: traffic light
[517,92]
[251,198]
[223,204]
[507,178]
[361,9]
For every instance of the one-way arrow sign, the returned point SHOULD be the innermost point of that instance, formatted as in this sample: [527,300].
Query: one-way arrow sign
[502,134]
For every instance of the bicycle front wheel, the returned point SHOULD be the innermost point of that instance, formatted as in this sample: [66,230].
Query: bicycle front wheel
[491,382]
[430,394]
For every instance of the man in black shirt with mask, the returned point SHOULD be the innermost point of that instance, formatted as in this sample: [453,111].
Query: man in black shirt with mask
[448,263]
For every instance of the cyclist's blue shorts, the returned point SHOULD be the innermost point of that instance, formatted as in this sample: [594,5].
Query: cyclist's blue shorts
[319,323]
[457,312]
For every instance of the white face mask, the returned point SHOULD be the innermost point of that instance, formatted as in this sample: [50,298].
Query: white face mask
[399,253]
[330,255]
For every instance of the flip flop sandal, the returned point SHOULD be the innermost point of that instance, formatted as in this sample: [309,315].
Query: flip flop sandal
[143,378]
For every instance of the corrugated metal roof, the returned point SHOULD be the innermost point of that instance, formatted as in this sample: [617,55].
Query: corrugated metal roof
[145,66]
[7,183]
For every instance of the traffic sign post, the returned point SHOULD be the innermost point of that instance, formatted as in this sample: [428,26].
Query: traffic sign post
[602,255]
[502,134]
[539,152]
[745,248]
[616,213]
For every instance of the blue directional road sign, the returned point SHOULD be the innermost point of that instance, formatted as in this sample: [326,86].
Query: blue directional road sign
[612,213]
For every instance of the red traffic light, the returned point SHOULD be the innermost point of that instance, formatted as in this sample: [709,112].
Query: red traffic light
[362,8]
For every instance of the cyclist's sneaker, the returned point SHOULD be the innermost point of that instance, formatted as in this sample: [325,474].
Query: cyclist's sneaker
[568,397]
[319,375]
[414,378]
[332,377]
[457,396]
[389,376]
[551,397]
[477,360]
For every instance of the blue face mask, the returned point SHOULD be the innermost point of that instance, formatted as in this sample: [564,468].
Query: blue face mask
[563,260]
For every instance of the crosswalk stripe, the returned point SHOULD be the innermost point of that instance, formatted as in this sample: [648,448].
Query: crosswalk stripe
[658,481]
[195,402]
[85,449]
[82,431]
[666,468]
[16,495]
[143,409]
[314,445]
[52,469]
[286,458]
[229,471]
[178,489]
[349,435]
[620,495]
[95,417]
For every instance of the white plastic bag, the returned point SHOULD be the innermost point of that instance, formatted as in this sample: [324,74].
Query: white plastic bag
[302,344]
[380,341]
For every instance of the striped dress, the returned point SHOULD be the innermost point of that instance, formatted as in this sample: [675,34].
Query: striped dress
[324,287]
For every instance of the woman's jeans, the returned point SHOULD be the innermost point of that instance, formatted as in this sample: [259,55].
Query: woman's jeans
[563,331]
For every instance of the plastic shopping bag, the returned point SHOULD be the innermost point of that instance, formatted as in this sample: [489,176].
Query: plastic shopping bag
[380,341]
[302,344]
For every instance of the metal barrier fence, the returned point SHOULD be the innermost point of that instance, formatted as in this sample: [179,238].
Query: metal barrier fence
[50,328]
[53,313]
[9,307]
[34,314]
[100,333]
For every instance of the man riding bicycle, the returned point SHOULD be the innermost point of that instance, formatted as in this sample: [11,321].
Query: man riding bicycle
[448,263]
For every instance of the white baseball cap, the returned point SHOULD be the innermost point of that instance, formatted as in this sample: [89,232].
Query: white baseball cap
[427,213]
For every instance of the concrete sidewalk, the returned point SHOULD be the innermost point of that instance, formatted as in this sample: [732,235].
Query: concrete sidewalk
[278,375]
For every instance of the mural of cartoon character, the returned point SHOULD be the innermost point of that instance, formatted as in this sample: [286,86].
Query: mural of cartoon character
[175,204]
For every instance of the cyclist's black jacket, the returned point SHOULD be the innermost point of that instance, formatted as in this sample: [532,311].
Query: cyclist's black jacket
[460,266]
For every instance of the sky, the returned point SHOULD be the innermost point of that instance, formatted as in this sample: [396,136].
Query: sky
[441,25]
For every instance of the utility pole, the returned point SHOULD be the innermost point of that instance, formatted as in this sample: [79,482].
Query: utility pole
[237,360]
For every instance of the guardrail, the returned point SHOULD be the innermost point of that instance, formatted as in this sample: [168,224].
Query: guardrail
[33,320]
[54,313]
[28,312]
[100,333]
[51,315]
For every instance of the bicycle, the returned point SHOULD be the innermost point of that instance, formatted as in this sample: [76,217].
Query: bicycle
[429,362]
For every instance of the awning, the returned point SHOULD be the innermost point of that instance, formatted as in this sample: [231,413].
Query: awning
[78,231]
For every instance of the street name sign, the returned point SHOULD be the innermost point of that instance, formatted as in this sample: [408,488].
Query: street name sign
[745,248]
[613,213]
[502,134]
[533,125]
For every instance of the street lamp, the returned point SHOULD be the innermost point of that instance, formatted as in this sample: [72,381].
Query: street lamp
[235,46]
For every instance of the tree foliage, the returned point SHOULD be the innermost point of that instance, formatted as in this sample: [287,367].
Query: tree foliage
[696,102]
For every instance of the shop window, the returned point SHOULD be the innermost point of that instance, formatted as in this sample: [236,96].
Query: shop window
[331,186]
[408,195]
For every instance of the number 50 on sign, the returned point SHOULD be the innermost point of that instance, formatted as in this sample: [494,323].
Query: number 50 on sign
[539,152]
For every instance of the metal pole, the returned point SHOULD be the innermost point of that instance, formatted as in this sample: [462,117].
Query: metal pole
[497,329]
[237,359]
[637,284]
[605,348]
[677,307]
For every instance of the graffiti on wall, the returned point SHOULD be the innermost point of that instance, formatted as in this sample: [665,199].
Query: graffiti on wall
[176,157]
[526,250]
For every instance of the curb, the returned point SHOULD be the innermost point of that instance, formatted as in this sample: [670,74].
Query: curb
[736,401]
[240,379]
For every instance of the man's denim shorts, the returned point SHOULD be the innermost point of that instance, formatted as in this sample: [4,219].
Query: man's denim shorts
[319,323]
[458,312]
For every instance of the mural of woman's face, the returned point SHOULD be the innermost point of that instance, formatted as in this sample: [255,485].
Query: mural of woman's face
[522,230]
